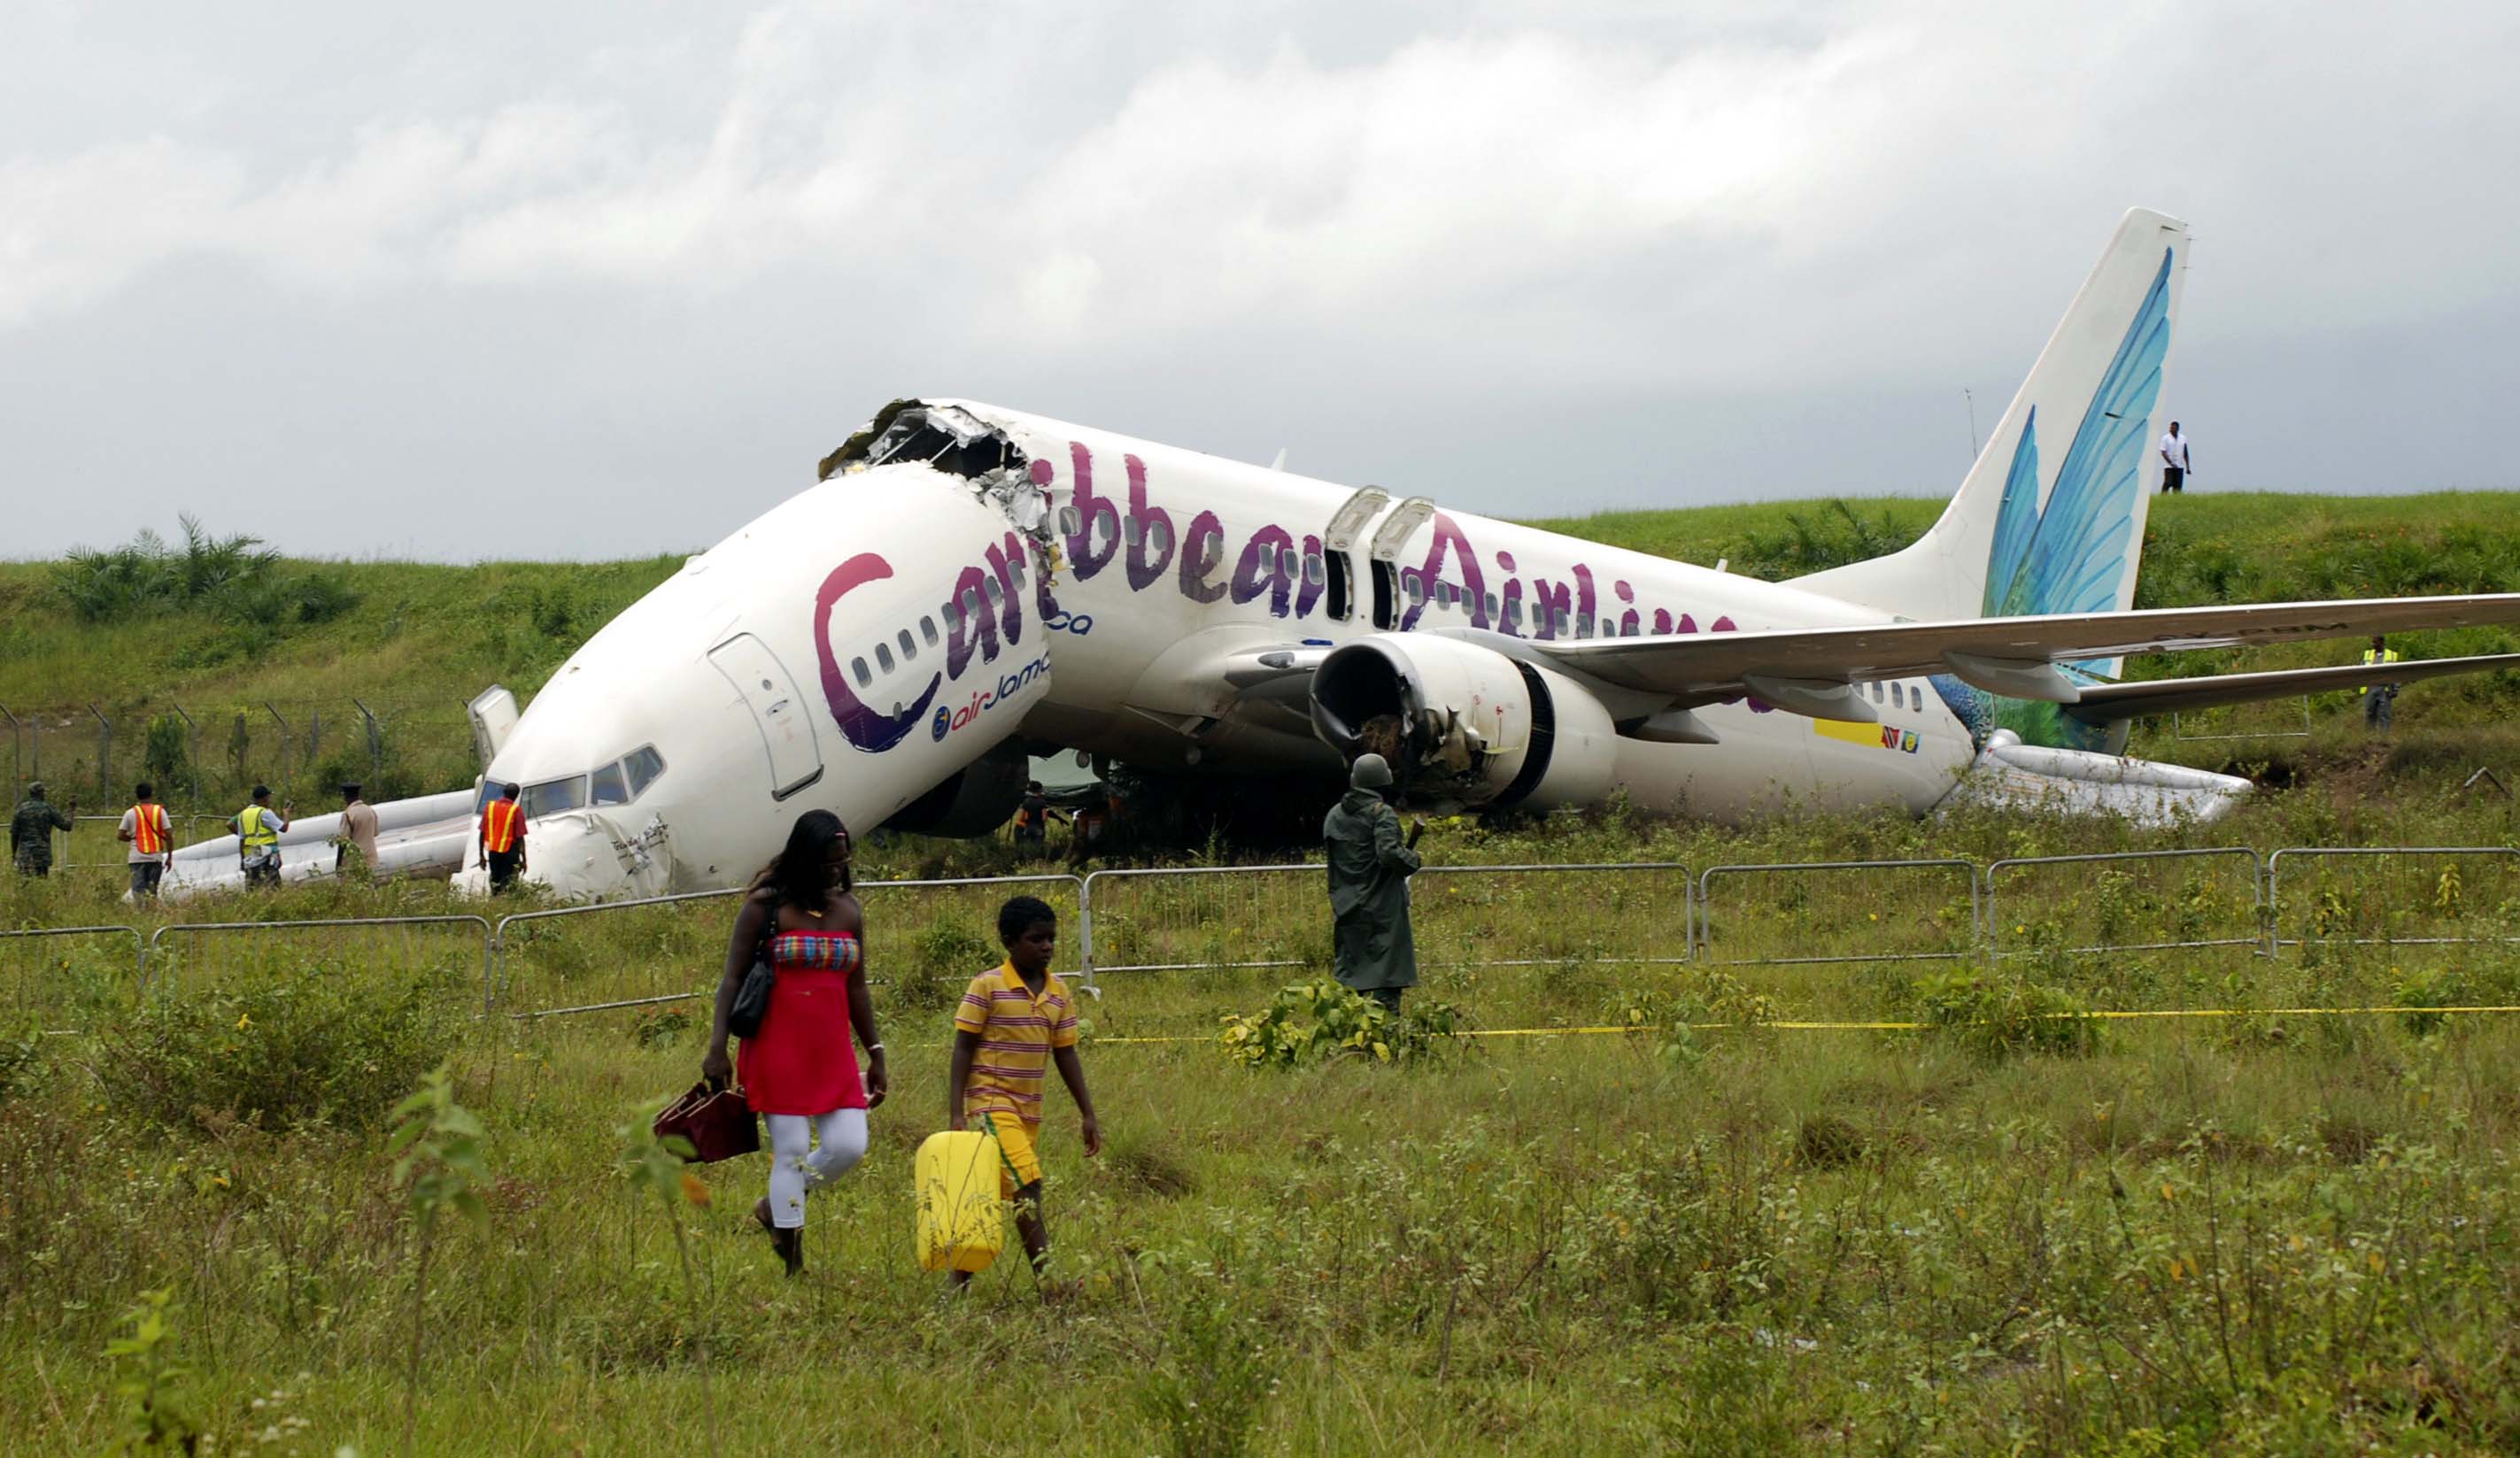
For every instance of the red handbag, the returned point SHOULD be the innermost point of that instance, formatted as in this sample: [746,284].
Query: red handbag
[716,1121]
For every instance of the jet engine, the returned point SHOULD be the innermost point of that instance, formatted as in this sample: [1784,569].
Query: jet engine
[1464,724]
[973,801]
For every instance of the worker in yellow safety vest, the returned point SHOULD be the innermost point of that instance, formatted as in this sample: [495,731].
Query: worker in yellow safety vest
[152,838]
[258,828]
[503,838]
[2379,700]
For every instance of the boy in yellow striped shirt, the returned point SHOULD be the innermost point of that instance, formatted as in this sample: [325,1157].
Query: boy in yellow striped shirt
[1014,1022]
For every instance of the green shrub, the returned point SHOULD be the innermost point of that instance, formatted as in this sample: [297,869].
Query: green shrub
[1343,1024]
[324,1046]
[1207,1393]
[2420,991]
[21,1058]
[1997,1016]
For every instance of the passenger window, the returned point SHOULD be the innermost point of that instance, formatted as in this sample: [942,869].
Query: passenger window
[1491,604]
[1160,539]
[909,649]
[610,787]
[858,667]
[1584,625]
[997,594]
[644,765]
[1558,620]
[1129,530]
[1070,522]
[971,600]
[927,631]
[1313,573]
[1876,690]
[1514,612]
[1629,629]
[883,657]
[1268,556]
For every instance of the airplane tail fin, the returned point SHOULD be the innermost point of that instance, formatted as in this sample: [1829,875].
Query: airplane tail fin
[2050,517]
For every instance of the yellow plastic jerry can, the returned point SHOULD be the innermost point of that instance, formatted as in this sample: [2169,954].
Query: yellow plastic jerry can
[962,1224]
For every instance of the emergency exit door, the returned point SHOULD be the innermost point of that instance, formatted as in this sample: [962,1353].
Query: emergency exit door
[777,709]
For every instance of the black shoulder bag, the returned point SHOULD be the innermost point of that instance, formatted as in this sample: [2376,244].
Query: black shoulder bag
[752,995]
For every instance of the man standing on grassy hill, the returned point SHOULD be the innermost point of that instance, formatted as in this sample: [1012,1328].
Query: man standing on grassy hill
[358,833]
[2174,461]
[1370,865]
[2379,700]
[152,838]
[30,832]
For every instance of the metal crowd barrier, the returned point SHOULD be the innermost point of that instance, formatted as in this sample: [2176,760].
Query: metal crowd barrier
[1094,955]
[496,988]
[2257,896]
[196,928]
[1705,939]
[1688,907]
[1301,900]
[26,983]
[2276,941]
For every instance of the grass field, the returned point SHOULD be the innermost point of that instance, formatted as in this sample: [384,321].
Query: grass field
[2272,1232]
[2003,1229]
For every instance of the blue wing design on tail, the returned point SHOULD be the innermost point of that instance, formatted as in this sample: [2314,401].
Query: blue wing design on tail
[2072,554]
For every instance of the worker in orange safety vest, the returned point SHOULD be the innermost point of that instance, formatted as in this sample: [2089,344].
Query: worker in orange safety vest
[503,838]
[152,838]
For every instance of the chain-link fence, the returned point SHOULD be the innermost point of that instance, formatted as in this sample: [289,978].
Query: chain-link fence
[205,758]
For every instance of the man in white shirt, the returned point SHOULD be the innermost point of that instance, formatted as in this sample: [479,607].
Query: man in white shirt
[2174,460]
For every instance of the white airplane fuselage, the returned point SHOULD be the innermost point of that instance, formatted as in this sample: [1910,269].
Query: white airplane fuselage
[867,639]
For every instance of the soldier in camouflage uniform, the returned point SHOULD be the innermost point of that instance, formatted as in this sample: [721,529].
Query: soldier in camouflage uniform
[30,832]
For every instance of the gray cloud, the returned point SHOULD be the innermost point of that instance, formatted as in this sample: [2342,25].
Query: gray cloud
[582,284]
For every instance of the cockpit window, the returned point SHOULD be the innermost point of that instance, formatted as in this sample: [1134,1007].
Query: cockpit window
[609,787]
[642,765]
[553,796]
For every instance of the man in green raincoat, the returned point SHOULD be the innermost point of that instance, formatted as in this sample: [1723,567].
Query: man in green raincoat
[1370,865]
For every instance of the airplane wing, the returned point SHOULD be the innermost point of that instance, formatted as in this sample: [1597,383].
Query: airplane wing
[1805,670]
[2103,702]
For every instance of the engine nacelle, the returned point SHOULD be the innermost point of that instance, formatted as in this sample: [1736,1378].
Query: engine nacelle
[1465,723]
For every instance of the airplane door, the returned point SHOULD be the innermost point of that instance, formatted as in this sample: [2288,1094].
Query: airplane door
[777,709]
[493,712]
[1389,539]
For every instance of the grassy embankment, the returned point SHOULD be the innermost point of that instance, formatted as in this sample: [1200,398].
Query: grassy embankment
[2275,1233]
[414,641]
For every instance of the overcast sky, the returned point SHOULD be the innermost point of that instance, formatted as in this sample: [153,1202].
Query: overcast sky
[572,280]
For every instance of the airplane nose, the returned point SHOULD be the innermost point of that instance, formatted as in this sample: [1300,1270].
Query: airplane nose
[573,856]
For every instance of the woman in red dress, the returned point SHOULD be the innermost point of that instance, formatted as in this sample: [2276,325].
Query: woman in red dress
[799,1072]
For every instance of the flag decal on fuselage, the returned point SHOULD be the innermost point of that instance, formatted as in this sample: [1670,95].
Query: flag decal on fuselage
[1875,735]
